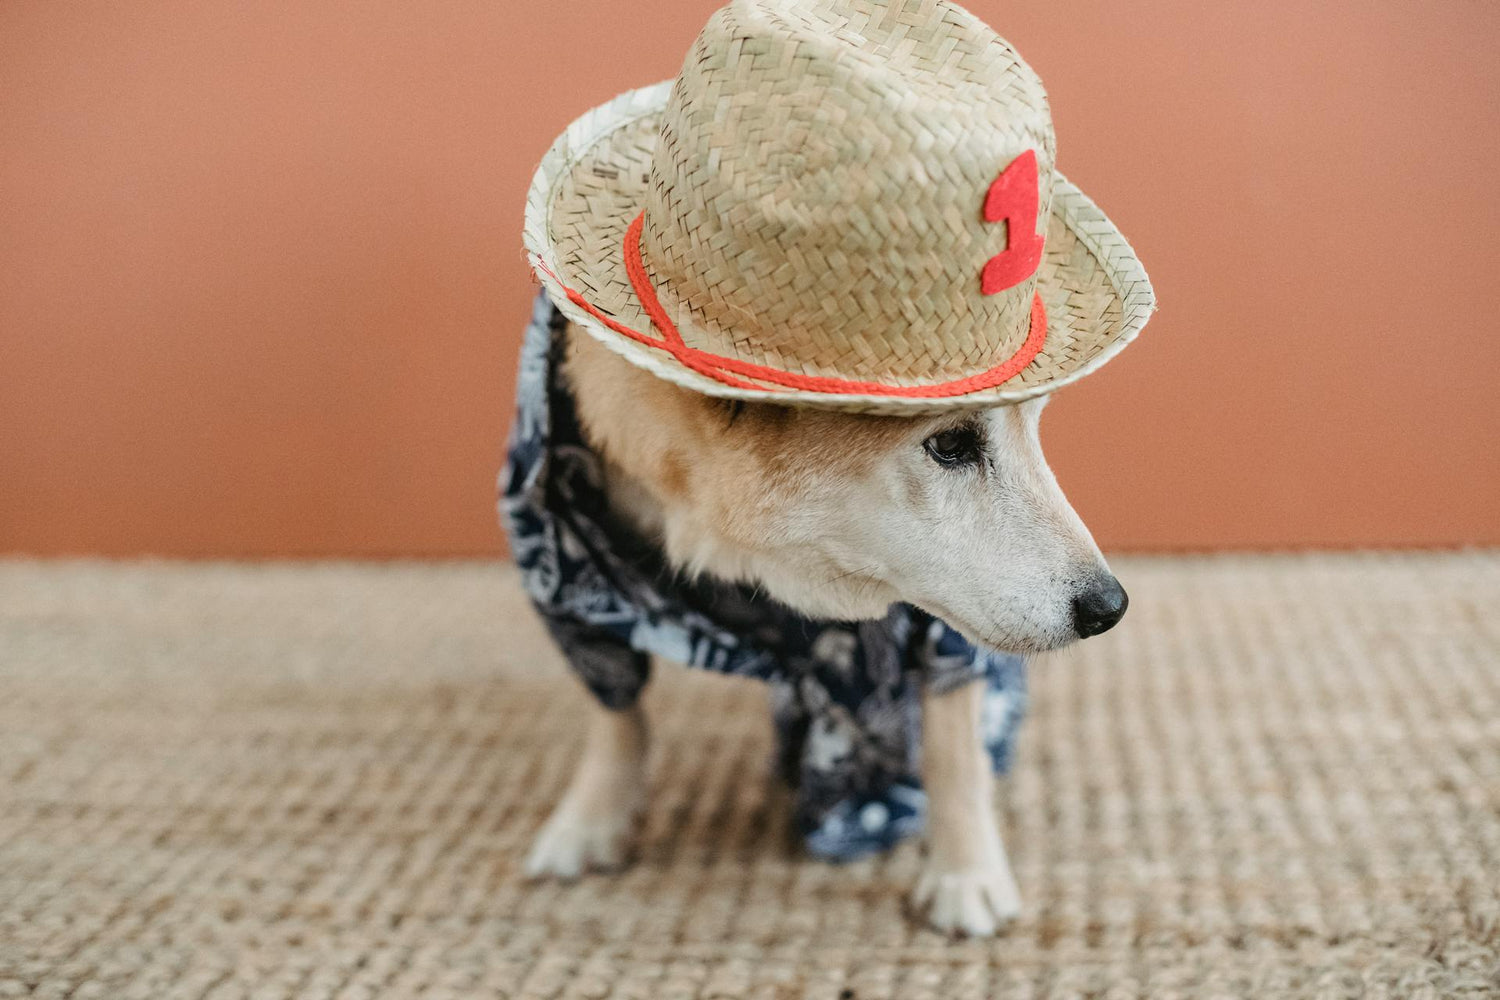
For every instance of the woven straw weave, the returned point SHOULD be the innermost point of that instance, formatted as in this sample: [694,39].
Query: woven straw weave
[813,187]
[820,208]
[1279,777]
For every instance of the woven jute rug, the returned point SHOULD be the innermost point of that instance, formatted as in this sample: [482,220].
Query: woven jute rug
[1280,777]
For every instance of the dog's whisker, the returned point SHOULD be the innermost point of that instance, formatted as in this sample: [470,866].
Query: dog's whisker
[857,571]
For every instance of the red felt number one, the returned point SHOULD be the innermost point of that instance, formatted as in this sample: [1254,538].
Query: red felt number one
[1014,199]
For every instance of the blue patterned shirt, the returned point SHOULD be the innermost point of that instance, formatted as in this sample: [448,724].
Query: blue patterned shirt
[845,695]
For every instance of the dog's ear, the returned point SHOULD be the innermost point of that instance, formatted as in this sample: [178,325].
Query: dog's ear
[732,409]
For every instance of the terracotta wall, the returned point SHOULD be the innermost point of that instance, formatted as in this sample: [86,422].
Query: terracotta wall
[261,285]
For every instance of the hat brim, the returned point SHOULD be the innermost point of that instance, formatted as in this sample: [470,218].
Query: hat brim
[591,185]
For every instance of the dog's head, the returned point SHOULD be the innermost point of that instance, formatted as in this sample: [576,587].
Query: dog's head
[838,515]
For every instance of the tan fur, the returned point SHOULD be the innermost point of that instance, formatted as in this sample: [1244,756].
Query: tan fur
[709,478]
[718,442]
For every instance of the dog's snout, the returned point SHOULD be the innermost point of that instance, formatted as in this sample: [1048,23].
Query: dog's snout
[1100,607]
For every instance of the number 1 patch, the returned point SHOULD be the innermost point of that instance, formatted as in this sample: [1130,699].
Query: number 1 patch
[1015,199]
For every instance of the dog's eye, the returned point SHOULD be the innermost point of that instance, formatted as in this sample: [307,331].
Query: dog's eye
[955,446]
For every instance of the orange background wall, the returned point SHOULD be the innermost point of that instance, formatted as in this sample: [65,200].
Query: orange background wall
[261,281]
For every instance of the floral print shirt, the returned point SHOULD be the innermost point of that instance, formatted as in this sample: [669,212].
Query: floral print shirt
[845,695]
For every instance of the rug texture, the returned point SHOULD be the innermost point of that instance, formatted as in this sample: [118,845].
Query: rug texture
[1279,777]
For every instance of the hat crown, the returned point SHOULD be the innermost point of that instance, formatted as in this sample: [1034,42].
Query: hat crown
[824,197]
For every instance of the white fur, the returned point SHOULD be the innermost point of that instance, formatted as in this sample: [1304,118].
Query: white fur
[966,886]
[591,829]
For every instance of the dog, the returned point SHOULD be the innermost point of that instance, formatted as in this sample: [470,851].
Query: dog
[838,515]
[802,310]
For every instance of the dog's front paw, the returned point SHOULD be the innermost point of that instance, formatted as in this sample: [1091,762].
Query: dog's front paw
[976,901]
[574,842]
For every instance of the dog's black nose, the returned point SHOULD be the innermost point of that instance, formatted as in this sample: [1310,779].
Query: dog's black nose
[1099,608]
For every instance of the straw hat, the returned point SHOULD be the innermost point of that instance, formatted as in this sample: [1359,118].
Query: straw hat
[846,203]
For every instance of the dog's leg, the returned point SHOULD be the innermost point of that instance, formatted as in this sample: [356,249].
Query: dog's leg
[967,886]
[591,829]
